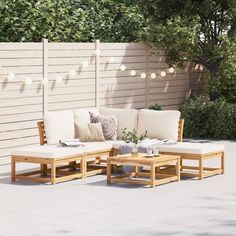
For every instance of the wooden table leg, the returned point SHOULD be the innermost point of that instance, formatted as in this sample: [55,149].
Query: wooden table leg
[53,172]
[13,169]
[200,168]
[223,162]
[153,177]
[109,172]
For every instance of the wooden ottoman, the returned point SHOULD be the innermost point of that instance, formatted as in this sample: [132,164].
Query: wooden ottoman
[50,159]
[196,152]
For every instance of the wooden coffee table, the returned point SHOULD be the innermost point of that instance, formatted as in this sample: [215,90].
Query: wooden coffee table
[152,177]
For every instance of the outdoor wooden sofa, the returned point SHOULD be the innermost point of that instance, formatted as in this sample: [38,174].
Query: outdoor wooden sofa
[156,122]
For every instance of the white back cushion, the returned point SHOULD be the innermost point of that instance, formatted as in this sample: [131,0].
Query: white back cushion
[159,124]
[59,125]
[82,117]
[127,118]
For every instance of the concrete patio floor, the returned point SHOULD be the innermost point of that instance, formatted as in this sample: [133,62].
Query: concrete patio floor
[90,207]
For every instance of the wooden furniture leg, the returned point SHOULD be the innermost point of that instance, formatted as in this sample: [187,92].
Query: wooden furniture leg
[178,167]
[72,165]
[152,172]
[181,163]
[136,171]
[53,173]
[43,169]
[108,172]
[85,167]
[200,168]
[13,170]
[81,165]
[223,162]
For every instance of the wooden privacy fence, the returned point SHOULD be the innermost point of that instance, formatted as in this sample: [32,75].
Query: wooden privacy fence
[91,76]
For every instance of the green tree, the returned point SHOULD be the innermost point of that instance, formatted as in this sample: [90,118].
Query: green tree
[70,20]
[200,31]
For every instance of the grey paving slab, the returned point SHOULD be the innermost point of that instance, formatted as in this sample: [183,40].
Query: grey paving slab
[91,207]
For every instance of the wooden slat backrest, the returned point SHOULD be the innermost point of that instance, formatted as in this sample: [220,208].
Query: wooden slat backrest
[43,138]
[42,133]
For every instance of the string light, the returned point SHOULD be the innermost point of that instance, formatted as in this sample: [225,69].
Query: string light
[153,75]
[97,52]
[171,70]
[72,73]
[111,59]
[163,73]
[143,75]
[58,79]
[28,81]
[122,67]
[85,63]
[133,72]
[44,81]
[11,76]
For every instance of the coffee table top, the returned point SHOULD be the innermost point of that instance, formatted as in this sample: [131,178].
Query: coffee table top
[142,159]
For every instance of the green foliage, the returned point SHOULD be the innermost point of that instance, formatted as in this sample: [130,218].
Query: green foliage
[209,119]
[155,107]
[132,137]
[70,20]
[203,32]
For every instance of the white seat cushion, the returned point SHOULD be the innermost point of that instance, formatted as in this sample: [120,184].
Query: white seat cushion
[127,118]
[159,124]
[191,148]
[47,151]
[82,117]
[99,146]
[59,125]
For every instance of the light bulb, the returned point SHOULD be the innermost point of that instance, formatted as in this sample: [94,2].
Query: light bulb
[85,63]
[163,73]
[28,81]
[111,59]
[97,52]
[143,75]
[122,67]
[133,72]
[72,73]
[153,75]
[171,70]
[44,81]
[11,76]
[58,79]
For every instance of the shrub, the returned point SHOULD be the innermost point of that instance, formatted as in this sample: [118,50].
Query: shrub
[155,107]
[209,119]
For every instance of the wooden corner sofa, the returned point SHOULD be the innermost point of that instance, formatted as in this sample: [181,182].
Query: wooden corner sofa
[89,159]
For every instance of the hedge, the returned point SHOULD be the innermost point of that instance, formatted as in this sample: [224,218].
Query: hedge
[209,119]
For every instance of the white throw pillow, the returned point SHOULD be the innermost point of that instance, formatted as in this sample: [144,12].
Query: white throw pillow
[159,124]
[59,125]
[82,117]
[127,118]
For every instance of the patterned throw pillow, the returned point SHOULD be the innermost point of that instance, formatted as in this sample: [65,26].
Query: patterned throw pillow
[109,125]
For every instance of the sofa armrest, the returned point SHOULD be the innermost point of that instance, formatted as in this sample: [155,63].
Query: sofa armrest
[180,130]
[42,133]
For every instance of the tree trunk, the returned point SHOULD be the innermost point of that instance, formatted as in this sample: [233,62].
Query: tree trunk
[214,84]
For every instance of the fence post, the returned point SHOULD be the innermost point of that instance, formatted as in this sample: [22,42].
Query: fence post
[147,80]
[97,73]
[45,75]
